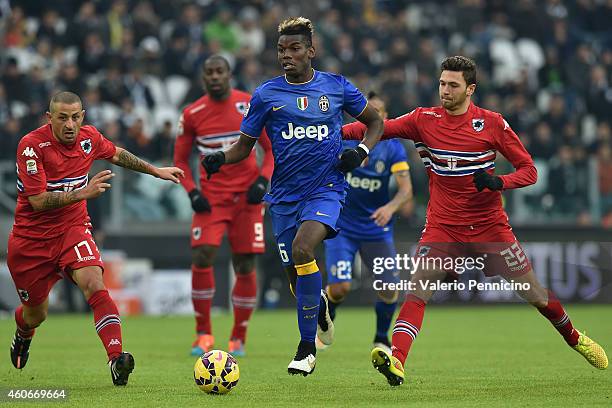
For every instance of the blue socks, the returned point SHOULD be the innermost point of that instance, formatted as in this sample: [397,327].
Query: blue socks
[384,315]
[308,294]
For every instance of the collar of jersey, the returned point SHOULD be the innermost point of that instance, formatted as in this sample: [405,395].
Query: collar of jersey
[68,150]
[460,118]
[314,74]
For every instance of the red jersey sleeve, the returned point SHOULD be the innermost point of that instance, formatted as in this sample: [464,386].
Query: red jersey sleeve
[182,151]
[353,131]
[105,149]
[31,176]
[403,127]
[267,165]
[508,143]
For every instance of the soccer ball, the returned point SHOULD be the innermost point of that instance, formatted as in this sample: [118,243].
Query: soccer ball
[216,372]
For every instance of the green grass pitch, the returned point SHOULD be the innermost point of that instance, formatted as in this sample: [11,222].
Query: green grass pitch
[464,356]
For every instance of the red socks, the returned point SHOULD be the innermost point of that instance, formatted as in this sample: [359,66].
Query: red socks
[202,292]
[22,328]
[244,299]
[410,319]
[407,326]
[107,321]
[557,316]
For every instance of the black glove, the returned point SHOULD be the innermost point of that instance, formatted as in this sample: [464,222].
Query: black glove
[257,190]
[199,203]
[350,159]
[483,179]
[213,162]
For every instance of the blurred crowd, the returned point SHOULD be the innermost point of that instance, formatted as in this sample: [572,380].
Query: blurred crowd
[545,64]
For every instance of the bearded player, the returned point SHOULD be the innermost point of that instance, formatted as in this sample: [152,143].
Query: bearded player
[457,142]
[51,237]
[229,202]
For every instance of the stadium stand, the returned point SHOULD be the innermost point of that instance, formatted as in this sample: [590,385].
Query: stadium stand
[547,65]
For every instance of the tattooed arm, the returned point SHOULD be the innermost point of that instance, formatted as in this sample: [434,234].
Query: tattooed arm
[98,184]
[123,158]
[51,200]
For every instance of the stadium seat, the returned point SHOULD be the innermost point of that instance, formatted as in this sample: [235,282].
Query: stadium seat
[158,89]
[110,112]
[506,59]
[523,198]
[165,31]
[543,100]
[530,53]
[177,87]
[163,113]
[19,109]
[542,185]
[588,129]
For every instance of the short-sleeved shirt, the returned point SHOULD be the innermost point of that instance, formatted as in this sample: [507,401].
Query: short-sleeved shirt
[45,164]
[303,122]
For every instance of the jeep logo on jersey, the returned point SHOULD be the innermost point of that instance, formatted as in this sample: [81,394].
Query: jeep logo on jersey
[324,103]
[299,132]
[241,107]
[478,124]
[363,182]
[302,103]
[86,145]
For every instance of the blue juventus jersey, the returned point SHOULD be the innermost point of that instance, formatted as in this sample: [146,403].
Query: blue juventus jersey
[303,122]
[368,189]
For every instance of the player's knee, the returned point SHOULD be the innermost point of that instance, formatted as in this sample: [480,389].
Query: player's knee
[338,291]
[302,252]
[91,286]
[539,303]
[244,264]
[202,257]
[34,317]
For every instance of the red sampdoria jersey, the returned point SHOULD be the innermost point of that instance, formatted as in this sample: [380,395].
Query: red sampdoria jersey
[44,164]
[452,149]
[214,126]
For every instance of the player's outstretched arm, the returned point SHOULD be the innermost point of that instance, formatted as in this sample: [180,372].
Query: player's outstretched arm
[125,159]
[51,200]
[403,127]
[237,152]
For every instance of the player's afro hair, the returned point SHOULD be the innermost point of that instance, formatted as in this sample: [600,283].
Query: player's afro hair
[297,26]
